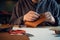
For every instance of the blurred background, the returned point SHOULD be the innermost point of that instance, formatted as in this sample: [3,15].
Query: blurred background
[6,7]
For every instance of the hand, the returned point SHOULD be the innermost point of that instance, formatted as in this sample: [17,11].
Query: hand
[31,16]
[49,17]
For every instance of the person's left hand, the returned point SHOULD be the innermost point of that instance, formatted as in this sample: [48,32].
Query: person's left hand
[49,17]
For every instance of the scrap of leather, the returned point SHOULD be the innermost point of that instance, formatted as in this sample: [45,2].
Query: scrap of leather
[34,24]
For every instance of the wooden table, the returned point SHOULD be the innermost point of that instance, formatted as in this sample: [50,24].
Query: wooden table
[7,36]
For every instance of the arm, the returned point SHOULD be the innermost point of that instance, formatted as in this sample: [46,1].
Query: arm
[16,17]
[55,12]
[53,8]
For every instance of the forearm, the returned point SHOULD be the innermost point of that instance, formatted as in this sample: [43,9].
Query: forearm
[19,21]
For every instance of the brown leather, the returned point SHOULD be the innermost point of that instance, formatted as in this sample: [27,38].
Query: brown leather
[7,36]
[34,24]
[5,26]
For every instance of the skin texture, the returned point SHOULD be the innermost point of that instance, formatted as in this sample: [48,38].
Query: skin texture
[31,16]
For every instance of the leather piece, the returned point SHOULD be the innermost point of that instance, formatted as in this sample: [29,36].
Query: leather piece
[34,24]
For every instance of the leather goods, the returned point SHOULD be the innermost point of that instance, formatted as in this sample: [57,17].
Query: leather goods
[34,24]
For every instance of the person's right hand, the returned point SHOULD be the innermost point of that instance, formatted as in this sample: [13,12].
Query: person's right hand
[31,16]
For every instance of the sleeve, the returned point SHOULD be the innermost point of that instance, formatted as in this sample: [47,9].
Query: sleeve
[55,12]
[16,18]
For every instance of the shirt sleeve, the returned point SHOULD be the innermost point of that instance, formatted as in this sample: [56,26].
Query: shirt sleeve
[55,12]
[16,17]
[53,7]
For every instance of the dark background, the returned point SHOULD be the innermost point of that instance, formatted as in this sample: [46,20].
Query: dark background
[6,7]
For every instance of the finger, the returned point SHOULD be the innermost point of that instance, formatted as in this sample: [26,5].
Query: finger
[37,14]
[30,19]
[34,19]
[48,16]
[34,16]
[48,13]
